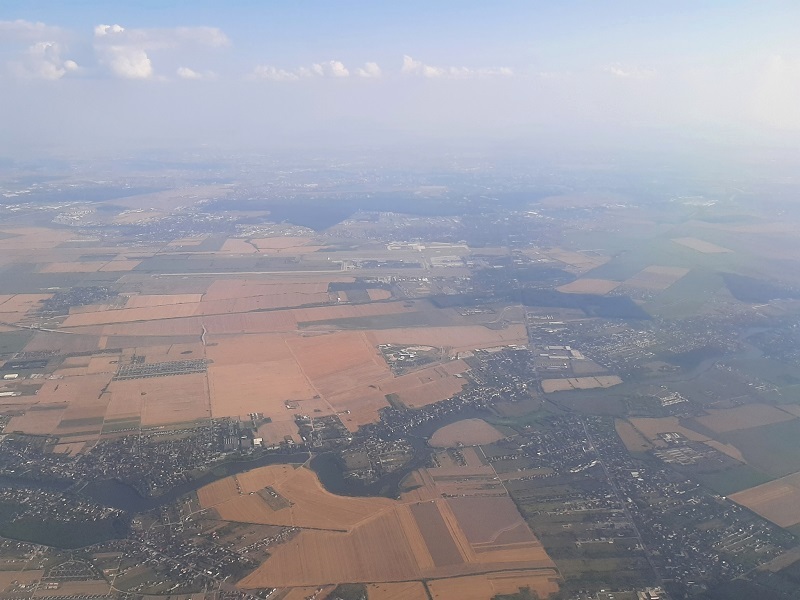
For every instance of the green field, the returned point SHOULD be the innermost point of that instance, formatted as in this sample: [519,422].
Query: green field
[731,480]
[773,449]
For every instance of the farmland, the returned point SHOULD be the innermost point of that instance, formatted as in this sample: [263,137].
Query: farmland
[508,389]
[778,500]
[344,539]
[469,432]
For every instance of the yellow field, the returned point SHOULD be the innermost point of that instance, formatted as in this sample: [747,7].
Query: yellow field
[589,286]
[743,417]
[409,590]
[347,539]
[632,438]
[651,427]
[468,432]
[656,277]
[480,587]
[777,501]
[579,383]
[701,245]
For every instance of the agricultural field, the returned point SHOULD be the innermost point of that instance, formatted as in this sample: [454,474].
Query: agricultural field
[772,449]
[344,539]
[778,500]
[468,432]
[656,278]
[276,342]
[701,245]
[579,383]
[410,590]
[743,417]
[589,286]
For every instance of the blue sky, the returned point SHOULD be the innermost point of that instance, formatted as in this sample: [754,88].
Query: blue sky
[211,72]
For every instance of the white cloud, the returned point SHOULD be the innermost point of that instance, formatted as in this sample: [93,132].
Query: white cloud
[337,69]
[415,67]
[206,36]
[270,73]
[101,30]
[43,61]
[151,39]
[127,52]
[187,73]
[775,93]
[129,62]
[369,70]
[410,65]
[331,68]
[625,72]
[28,31]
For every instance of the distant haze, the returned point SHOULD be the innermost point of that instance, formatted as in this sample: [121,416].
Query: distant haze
[589,77]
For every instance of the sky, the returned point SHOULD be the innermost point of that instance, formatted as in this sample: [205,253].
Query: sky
[98,76]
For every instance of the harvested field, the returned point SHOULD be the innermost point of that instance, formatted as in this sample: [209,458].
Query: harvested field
[130,315]
[237,295]
[374,539]
[73,390]
[469,432]
[579,261]
[150,301]
[543,582]
[438,540]
[701,245]
[656,278]
[378,294]
[255,373]
[15,307]
[363,403]
[454,339]
[258,479]
[589,286]
[743,417]
[409,590]
[339,361]
[41,419]
[313,506]
[500,522]
[86,412]
[579,383]
[777,501]
[320,557]
[218,492]
[277,432]
[428,385]
[223,324]
[632,438]
[165,400]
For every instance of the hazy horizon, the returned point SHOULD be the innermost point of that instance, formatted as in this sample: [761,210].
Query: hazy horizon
[621,78]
